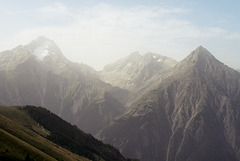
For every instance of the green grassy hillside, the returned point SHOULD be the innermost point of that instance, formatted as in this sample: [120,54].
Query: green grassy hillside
[72,138]
[21,137]
[37,134]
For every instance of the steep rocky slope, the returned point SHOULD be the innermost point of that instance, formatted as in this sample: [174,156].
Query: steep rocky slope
[193,115]
[134,70]
[136,73]
[38,74]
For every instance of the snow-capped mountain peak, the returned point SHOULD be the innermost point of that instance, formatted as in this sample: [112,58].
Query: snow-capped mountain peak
[42,47]
[42,51]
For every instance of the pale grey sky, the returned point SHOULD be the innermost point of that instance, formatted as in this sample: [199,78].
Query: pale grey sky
[100,32]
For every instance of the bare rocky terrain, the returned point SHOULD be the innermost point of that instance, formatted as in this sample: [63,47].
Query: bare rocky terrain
[148,106]
[192,115]
[38,74]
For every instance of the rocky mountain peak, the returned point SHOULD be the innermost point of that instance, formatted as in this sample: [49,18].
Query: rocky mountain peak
[39,51]
[200,59]
[43,47]
[135,55]
[42,39]
[191,115]
[135,71]
[201,49]
[200,54]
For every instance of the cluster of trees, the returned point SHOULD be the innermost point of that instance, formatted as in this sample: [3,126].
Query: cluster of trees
[72,138]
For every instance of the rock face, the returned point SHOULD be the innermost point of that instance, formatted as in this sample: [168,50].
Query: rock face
[193,115]
[189,111]
[133,71]
[38,74]
[136,73]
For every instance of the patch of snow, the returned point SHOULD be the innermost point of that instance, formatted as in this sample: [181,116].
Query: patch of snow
[159,60]
[154,56]
[42,51]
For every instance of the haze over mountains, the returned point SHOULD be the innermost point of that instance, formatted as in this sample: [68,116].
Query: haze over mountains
[135,70]
[38,74]
[148,106]
[192,115]
[136,73]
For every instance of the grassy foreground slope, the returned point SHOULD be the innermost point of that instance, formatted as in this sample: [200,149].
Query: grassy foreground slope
[21,138]
[36,133]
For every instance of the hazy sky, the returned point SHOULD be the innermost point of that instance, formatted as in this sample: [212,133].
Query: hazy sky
[98,32]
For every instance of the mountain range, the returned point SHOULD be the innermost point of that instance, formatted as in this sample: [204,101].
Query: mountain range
[192,115]
[133,71]
[38,74]
[149,106]
[136,73]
